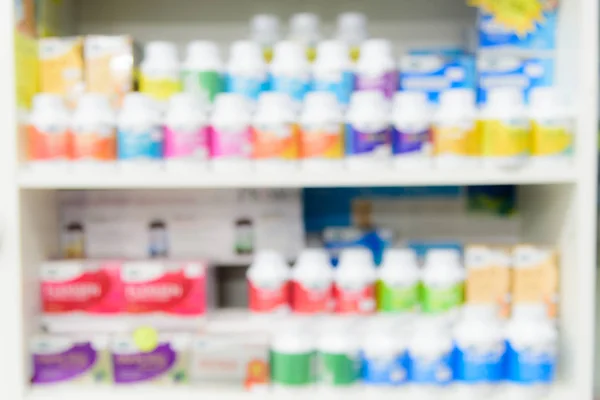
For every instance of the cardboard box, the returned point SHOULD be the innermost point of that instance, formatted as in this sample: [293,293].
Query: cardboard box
[61,67]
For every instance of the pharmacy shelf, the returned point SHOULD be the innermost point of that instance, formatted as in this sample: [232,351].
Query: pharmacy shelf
[157,179]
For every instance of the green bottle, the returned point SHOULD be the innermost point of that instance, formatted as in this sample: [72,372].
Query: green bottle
[202,71]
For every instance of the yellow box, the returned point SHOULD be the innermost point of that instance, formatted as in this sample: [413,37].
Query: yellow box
[61,67]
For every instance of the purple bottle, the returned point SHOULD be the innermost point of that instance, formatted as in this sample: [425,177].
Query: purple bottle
[376,69]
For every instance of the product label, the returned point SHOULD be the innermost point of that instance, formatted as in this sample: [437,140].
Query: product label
[479,364]
[451,139]
[80,362]
[506,138]
[296,88]
[374,142]
[535,278]
[292,369]
[532,364]
[159,88]
[143,143]
[250,87]
[341,84]
[313,297]
[206,84]
[279,141]
[335,369]
[268,297]
[387,83]
[389,369]
[231,141]
[392,298]
[183,142]
[322,141]
[494,31]
[95,143]
[441,299]
[412,140]
[353,299]
[162,364]
[433,369]
[47,143]
[551,138]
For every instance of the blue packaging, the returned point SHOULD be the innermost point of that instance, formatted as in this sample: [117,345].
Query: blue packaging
[530,366]
[522,72]
[475,366]
[388,370]
[434,73]
[249,87]
[431,371]
[342,86]
[140,143]
[294,87]
[337,239]
[494,35]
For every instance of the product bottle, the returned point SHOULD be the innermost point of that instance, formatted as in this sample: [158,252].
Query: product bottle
[290,71]
[376,69]
[264,30]
[411,131]
[551,126]
[479,352]
[275,133]
[203,71]
[268,283]
[246,70]
[321,132]
[230,133]
[305,29]
[354,282]
[531,352]
[159,71]
[48,132]
[443,281]
[186,133]
[139,133]
[292,360]
[158,239]
[333,71]
[352,29]
[338,358]
[505,131]
[455,144]
[93,129]
[312,277]
[398,283]
[368,142]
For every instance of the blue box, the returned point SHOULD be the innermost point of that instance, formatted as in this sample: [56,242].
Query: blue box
[493,35]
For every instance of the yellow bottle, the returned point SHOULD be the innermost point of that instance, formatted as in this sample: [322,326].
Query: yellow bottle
[159,71]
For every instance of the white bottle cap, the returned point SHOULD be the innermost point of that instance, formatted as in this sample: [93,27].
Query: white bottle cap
[505,97]
[400,257]
[231,103]
[313,256]
[94,101]
[48,100]
[264,29]
[356,255]
[442,256]
[245,51]
[305,28]
[200,49]
[367,100]
[376,49]
[137,101]
[481,312]
[161,52]
[457,98]
[352,28]
[534,312]
[289,52]
[187,102]
[322,102]
[333,52]
[274,100]
[413,102]
[268,257]
[543,97]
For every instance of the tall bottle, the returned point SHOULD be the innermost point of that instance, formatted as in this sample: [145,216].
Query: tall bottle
[160,71]
[333,71]
[305,28]
[246,70]
[203,71]
[264,30]
[376,69]
[290,71]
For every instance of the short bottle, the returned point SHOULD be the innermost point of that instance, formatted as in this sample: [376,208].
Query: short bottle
[505,130]
[292,359]
[333,70]
[442,282]
[551,128]
[368,141]
[338,358]
[321,132]
[411,131]
[398,282]
[230,133]
[376,69]
[275,133]
[312,278]
[186,133]
[264,30]
[455,144]
[203,71]
[354,282]
[305,28]
[352,30]
[246,70]
[160,71]
[139,133]
[47,132]
[268,283]
[290,71]
[93,129]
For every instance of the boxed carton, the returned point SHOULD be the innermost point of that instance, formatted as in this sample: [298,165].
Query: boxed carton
[61,67]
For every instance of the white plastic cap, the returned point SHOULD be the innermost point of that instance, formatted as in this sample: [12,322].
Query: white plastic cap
[543,97]
[96,101]
[231,103]
[400,257]
[264,29]
[352,28]
[457,99]
[321,101]
[200,49]
[376,49]
[48,100]
[356,255]
[415,102]
[268,257]
[449,256]
[305,27]
[245,51]
[480,311]
[333,51]
[504,97]
[530,311]
[160,50]
[186,101]
[313,256]
[137,101]
[275,100]
[289,51]
[367,99]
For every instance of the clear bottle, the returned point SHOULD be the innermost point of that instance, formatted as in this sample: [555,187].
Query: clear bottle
[376,69]
[93,129]
[398,282]
[455,144]
[368,141]
[47,132]
[203,70]
[352,29]
[305,28]
[321,132]
[139,133]
[230,133]
[312,278]
[442,282]
[275,133]
[411,131]
[505,130]
[160,71]
[354,282]
[246,70]
[290,71]
[186,133]
[264,30]
[268,283]
[333,70]
[338,358]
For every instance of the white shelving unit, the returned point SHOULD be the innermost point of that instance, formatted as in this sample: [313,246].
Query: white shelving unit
[558,205]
